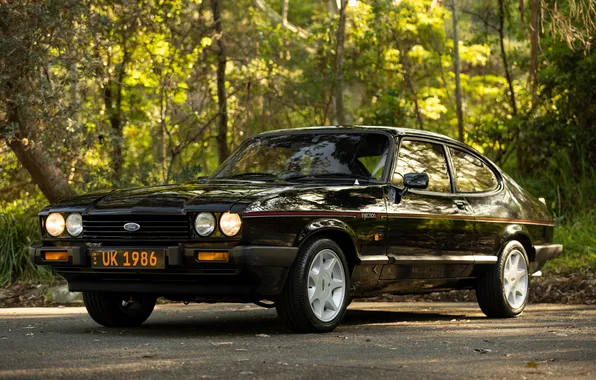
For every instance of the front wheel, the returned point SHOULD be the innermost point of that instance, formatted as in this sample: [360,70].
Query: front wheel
[315,296]
[503,290]
[115,310]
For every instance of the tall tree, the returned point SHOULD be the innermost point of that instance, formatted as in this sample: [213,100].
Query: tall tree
[29,31]
[41,167]
[338,86]
[222,98]
[456,63]
[112,94]
[534,41]
[284,12]
[501,29]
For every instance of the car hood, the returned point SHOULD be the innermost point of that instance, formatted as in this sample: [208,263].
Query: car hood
[212,196]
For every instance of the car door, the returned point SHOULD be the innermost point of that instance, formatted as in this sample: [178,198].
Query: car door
[427,229]
[480,186]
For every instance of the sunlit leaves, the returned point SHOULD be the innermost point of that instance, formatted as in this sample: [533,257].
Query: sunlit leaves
[398,66]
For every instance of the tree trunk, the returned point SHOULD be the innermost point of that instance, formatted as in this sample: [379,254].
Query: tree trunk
[222,124]
[458,100]
[113,102]
[117,157]
[52,183]
[333,6]
[42,169]
[403,59]
[339,85]
[518,144]
[534,41]
[504,57]
[284,12]
[163,154]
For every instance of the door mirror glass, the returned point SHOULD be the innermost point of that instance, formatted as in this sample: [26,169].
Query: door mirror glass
[416,180]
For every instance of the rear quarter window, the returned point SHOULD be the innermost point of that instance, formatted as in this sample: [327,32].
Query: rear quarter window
[472,175]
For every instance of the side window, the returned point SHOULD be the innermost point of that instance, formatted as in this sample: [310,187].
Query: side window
[471,174]
[423,157]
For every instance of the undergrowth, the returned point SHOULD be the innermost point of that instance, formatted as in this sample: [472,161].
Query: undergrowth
[578,236]
[570,191]
[17,232]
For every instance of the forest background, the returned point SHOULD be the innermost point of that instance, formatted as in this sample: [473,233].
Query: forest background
[98,94]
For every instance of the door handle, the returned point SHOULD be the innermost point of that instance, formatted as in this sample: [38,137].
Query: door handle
[461,204]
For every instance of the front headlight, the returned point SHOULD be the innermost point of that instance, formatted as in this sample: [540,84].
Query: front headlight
[205,224]
[55,224]
[230,224]
[74,224]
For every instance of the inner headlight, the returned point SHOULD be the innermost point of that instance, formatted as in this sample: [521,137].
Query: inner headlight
[74,224]
[55,224]
[205,223]
[230,224]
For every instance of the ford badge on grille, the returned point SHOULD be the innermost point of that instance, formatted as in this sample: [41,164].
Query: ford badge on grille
[132,227]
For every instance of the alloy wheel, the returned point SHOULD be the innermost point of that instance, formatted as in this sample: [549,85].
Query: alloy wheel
[515,279]
[326,285]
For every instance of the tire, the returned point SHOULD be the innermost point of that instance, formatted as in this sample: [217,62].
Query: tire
[502,292]
[315,301]
[116,310]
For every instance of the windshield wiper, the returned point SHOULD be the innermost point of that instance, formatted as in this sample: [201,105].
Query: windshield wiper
[342,176]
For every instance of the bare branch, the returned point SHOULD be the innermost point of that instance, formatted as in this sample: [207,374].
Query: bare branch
[276,18]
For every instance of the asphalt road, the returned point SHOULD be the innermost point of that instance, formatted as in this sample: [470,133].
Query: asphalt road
[377,340]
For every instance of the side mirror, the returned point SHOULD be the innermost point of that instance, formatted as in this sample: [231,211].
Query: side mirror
[416,181]
[411,181]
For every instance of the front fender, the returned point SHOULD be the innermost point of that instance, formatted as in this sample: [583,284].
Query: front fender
[322,225]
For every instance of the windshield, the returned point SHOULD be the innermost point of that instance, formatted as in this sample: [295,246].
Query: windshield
[306,156]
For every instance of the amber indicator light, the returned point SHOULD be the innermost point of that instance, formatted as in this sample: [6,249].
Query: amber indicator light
[213,256]
[55,256]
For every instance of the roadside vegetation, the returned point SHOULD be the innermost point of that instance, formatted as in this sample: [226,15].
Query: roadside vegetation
[17,232]
[98,94]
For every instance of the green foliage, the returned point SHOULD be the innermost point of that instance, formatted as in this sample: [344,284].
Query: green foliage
[17,232]
[578,236]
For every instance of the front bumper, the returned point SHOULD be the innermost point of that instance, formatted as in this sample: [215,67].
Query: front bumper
[251,272]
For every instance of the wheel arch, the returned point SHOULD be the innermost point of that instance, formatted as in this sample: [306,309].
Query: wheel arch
[520,233]
[336,230]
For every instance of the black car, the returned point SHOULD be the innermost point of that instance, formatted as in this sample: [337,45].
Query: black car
[305,220]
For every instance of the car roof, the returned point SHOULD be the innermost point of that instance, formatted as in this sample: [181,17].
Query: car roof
[395,131]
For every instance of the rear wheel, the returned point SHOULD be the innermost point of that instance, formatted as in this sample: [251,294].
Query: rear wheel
[315,296]
[116,310]
[503,290]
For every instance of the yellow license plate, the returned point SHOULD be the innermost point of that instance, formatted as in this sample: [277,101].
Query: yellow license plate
[129,259]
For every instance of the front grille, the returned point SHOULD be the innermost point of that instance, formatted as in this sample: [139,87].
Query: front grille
[153,227]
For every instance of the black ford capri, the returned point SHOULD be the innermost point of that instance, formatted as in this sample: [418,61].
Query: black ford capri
[306,220]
